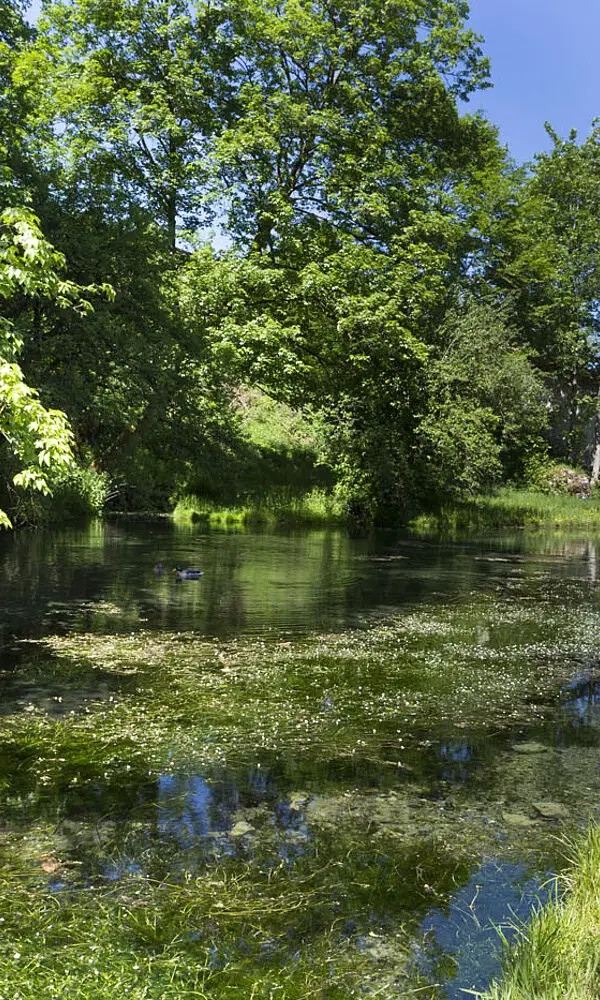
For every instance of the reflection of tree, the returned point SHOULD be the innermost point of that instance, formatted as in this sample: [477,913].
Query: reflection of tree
[253,582]
[190,807]
[581,702]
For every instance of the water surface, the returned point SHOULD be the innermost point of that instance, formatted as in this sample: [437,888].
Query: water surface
[418,716]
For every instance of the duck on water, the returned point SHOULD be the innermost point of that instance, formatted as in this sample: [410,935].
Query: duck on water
[188,574]
[180,573]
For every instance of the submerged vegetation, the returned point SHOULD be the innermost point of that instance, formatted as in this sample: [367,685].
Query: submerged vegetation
[260,817]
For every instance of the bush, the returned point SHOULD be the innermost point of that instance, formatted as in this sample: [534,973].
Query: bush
[557,479]
[77,493]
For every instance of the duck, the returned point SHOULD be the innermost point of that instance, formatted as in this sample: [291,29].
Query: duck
[188,574]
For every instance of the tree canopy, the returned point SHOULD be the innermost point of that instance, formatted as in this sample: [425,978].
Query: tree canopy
[292,197]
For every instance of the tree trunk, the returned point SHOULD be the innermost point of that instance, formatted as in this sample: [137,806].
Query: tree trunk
[172,194]
[595,475]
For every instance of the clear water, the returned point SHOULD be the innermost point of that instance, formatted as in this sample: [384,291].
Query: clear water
[482,806]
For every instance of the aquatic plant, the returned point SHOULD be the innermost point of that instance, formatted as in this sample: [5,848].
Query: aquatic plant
[264,818]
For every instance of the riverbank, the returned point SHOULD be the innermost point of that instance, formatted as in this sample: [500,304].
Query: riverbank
[317,508]
[558,954]
[507,508]
[512,508]
[320,508]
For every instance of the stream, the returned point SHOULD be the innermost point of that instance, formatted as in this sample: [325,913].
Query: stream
[363,754]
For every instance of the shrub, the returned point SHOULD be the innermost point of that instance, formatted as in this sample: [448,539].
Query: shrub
[556,478]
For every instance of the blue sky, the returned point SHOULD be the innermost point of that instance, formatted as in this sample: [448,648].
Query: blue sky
[544,57]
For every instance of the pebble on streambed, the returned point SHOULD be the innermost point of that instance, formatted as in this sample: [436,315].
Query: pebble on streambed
[530,748]
[551,810]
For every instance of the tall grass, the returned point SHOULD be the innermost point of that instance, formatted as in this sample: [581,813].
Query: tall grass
[272,472]
[315,508]
[512,508]
[557,956]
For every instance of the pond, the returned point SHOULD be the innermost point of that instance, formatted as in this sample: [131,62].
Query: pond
[331,767]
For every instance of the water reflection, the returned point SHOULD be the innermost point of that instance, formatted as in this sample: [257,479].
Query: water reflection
[459,762]
[462,942]
[188,813]
[581,700]
[192,806]
[103,578]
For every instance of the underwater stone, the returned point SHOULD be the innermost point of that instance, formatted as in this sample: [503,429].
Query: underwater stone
[254,816]
[378,949]
[241,829]
[389,813]
[325,811]
[298,801]
[517,819]
[530,748]
[551,810]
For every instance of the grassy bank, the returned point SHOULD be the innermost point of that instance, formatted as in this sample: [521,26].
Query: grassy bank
[558,956]
[271,474]
[511,508]
[508,508]
[274,478]
[316,508]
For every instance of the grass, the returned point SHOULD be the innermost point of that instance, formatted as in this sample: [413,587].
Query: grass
[558,955]
[512,508]
[316,508]
[272,474]
[508,508]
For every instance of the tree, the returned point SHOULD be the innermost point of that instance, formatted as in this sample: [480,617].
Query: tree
[145,397]
[30,267]
[14,34]
[348,172]
[544,269]
[128,93]
[346,116]
[486,407]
